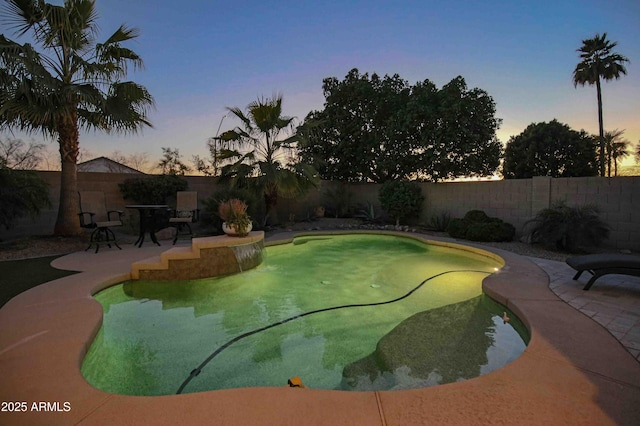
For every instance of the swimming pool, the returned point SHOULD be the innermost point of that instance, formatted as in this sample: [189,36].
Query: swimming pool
[155,335]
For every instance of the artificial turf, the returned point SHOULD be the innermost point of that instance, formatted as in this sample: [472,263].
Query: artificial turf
[17,276]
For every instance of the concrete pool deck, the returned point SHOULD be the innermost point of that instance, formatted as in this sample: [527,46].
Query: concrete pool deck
[574,371]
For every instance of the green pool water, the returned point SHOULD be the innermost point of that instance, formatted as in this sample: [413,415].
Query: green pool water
[155,333]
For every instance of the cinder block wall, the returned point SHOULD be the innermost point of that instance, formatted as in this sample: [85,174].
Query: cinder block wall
[515,201]
[510,200]
[617,198]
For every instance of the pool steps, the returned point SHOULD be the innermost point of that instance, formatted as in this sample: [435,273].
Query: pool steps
[206,257]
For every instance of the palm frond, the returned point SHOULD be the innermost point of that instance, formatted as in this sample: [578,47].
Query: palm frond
[111,51]
[126,107]
[22,15]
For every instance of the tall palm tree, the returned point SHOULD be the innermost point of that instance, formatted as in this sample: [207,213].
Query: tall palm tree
[73,82]
[617,149]
[258,150]
[598,61]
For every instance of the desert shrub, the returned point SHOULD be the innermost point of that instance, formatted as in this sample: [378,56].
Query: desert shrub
[572,229]
[457,228]
[153,190]
[337,200]
[476,216]
[439,222]
[490,231]
[477,226]
[369,213]
[22,193]
[401,199]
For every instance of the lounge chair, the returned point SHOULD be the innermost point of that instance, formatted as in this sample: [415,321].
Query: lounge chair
[603,264]
[186,212]
[94,215]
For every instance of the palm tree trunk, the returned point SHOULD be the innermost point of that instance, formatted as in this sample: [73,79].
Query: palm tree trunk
[601,126]
[271,202]
[67,223]
[608,148]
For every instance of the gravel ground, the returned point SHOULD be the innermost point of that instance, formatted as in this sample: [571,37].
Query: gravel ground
[40,246]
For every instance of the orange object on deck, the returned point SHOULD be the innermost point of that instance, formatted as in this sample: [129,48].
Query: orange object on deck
[295,382]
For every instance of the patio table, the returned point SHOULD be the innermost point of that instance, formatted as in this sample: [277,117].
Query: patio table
[148,213]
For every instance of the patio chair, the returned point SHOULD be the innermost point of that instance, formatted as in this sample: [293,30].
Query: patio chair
[186,212]
[603,264]
[94,215]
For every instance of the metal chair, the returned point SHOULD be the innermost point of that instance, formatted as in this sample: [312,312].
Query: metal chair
[186,212]
[94,215]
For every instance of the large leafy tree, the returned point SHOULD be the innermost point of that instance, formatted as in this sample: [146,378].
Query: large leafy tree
[455,128]
[598,61]
[72,83]
[257,152]
[379,129]
[550,149]
[360,135]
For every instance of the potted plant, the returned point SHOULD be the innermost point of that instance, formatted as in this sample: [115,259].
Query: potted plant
[236,220]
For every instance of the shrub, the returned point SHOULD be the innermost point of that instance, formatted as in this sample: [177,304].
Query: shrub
[490,231]
[401,199]
[22,193]
[571,229]
[477,226]
[476,216]
[369,213]
[338,200]
[457,228]
[152,190]
[439,222]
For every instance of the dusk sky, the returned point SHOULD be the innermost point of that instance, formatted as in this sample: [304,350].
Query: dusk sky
[203,56]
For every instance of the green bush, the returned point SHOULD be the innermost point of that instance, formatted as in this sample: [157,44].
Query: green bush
[571,229]
[22,193]
[477,226]
[457,228]
[476,216]
[401,199]
[337,200]
[152,190]
[490,231]
[439,222]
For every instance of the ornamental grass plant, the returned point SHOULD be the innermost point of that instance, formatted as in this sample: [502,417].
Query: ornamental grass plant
[234,213]
[566,228]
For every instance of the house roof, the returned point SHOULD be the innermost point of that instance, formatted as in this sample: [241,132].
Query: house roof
[105,165]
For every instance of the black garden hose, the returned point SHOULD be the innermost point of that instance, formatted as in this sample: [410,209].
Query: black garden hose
[215,353]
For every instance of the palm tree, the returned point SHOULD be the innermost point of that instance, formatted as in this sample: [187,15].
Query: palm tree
[257,150]
[598,61]
[74,82]
[617,148]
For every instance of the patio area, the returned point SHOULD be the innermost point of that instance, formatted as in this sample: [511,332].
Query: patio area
[581,366]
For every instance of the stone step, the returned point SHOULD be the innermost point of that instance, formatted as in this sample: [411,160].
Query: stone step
[150,263]
[189,261]
[177,253]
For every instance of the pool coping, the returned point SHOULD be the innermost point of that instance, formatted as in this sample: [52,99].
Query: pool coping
[572,372]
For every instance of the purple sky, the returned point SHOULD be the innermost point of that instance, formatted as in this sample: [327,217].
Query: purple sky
[203,56]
